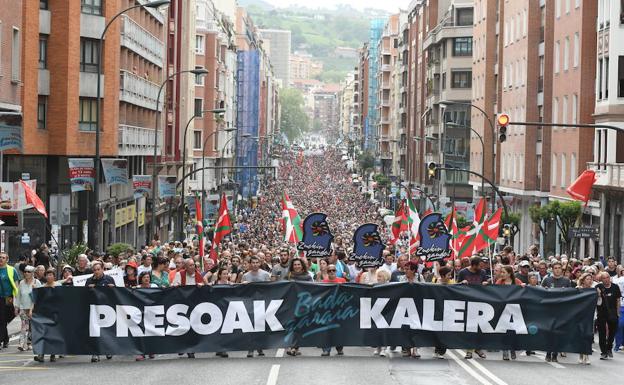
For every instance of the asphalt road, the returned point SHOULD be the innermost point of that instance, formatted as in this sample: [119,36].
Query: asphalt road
[357,366]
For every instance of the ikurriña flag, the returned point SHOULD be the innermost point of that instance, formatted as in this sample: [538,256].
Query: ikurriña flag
[223,227]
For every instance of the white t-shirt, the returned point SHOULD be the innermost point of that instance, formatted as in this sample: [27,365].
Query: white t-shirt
[391,268]
[620,282]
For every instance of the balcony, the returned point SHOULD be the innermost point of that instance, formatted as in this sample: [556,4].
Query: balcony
[137,141]
[138,91]
[386,155]
[138,39]
[384,102]
[610,175]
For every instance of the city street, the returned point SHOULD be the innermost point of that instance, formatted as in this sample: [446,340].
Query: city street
[357,366]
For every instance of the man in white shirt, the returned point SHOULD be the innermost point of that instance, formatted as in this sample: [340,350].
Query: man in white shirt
[389,265]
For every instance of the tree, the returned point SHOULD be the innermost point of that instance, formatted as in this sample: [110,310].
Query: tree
[512,219]
[293,120]
[563,214]
[366,161]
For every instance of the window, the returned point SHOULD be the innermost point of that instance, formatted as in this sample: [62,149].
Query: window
[620,76]
[576,50]
[567,6]
[462,46]
[555,111]
[577,3]
[444,80]
[89,59]
[572,168]
[557,8]
[199,79]
[599,79]
[91,7]
[514,167]
[199,44]
[574,109]
[553,171]
[42,111]
[512,29]
[43,4]
[43,52]
[199,106]
[194,174]
[606,74]
[197,140]
[563,171]
[16,55]
[566,54]
[461,79]
[525,23]
[464,16]
[564,110]
[87,120]
[506,37]
[557,46]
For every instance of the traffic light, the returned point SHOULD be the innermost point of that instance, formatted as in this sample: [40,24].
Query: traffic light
[502,122]
[432,171]
[507,231]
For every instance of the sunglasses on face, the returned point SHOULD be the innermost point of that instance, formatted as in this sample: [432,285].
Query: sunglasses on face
[331,271]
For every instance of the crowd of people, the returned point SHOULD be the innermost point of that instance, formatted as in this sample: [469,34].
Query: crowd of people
[256,251]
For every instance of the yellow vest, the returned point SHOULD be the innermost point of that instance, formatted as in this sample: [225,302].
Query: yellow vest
[11,273]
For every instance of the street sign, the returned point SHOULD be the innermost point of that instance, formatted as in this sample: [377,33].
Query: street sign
[25,238]
[25,176]
[584,232]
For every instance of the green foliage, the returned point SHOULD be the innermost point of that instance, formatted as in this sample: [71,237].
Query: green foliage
[366,161]
[462,222]
[117,248]
[294,120]
[563,214]
[319,32]
[70,256]
[382,181]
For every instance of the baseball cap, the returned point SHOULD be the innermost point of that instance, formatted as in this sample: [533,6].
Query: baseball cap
[524,264]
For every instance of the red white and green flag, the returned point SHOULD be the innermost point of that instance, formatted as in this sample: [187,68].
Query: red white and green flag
[199,227]
[222,228]
[470,238]
[291,221]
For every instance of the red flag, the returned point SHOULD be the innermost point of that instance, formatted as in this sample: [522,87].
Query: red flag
[451,225]
[33,199]
[222,228]
[581,189]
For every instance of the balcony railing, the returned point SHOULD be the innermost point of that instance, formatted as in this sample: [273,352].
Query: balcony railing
[139,40]
[609,174]
[138,91]
[136,141]
[386,155]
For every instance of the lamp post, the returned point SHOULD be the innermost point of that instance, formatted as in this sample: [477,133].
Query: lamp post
[451,124]
[182,194]
[94,216]
[493,129]
[196,72]
[203,195]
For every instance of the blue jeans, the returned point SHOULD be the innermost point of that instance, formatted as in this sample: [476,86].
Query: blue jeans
[619,335]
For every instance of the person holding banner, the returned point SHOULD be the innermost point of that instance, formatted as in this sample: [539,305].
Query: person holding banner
[586,281]
[473,275]
[160,274]
[555,281]
[507,278]
[24,306]
[608,314]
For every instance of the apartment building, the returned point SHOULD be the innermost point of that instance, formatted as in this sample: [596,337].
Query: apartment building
[213,134]
[608,159]
[278,45]
[11,48]
[363,85]
[447,89]
[386,130]
[573,102]
[303,67]
[346,105]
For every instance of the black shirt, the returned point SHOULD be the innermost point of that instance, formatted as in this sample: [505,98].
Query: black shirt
[610,297]
[104,281]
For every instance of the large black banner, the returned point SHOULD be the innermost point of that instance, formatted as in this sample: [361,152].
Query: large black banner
[76,320]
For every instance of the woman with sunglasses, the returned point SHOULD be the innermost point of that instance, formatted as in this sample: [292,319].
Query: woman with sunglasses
[24,305]
[298,271]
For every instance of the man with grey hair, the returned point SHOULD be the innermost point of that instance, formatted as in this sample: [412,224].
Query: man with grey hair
[82,267]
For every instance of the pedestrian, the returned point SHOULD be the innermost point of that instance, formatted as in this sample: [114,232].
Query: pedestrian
[189,276]
[473,275]
[586,281]
[24,306]
[507,278]
[99,279]
[130,278]
[160,273]
[445,278]
[8,291]
[608,314]
[555,281]
[82,268]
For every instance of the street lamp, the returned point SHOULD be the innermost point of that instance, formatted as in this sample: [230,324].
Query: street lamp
[196,72]
[243,136]
[491,124]
[182,195]
[94,221]
[203,197]
[452,124]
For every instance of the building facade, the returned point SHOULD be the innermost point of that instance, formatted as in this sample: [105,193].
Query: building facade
[278,47]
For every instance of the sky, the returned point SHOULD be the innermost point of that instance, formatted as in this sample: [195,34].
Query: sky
[388,5]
